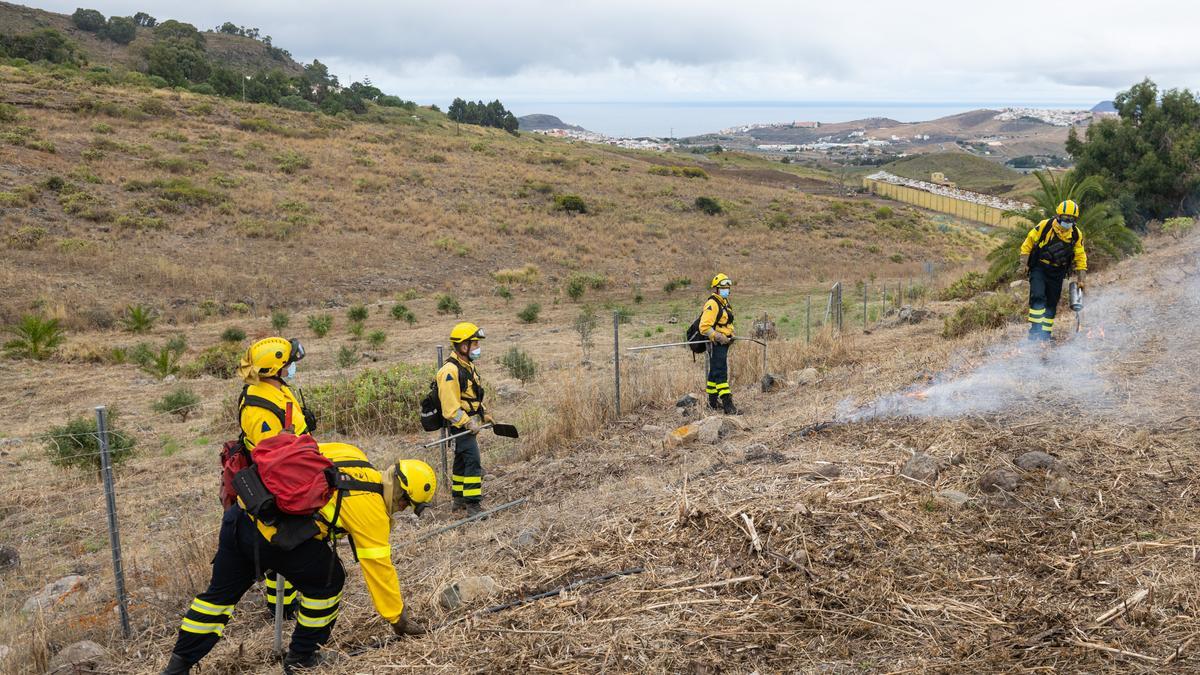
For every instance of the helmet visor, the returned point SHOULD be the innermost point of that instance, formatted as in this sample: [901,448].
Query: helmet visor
[297,350]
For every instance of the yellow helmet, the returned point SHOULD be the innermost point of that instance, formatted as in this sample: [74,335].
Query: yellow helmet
[1068,209]
[268,356]
[465,332]
[721,281]
[416,479]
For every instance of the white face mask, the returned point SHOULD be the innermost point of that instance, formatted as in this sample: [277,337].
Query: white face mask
[1066,225]
[291,371]
[474,354]
[724,292]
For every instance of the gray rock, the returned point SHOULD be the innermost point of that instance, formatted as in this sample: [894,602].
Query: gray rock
[913,315]
[759,452]
[9,557]
[59,592]
[5,442]
[1019,286]
[370,356]
[772,383]
[999,480]
[510,391]
[1036,459]
[467,591]
[921,467]
[77,657]
[687,401]
[5,650]
[952,498]
[806,377]
[716,427]
[828,470]
[169,379]
[526,538]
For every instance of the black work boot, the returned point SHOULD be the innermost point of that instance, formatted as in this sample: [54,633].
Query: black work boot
[294,664]
[177,666]
[475,508]
[714,402]
[727,405]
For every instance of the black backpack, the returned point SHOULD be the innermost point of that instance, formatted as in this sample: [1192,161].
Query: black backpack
[431,405]
[1059,254]
[699,344]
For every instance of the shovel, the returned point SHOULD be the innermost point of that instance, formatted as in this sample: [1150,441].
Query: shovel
[505,430]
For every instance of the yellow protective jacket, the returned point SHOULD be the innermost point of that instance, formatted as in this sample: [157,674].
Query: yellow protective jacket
[1035,235]
[460,400]
[364,517]
[717,316]
[259,423]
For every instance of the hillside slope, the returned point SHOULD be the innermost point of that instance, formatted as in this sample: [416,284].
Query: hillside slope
[232,51]
[121,195]
[967,171]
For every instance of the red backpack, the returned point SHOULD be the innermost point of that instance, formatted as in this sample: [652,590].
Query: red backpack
[295,472]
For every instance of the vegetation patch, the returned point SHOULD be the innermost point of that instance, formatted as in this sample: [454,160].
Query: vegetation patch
[986,311]
[374,402]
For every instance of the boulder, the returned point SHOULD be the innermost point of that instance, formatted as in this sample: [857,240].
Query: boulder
[526,538]
[806,377]
[5,650]
[921,467]
[759,452]
[952,498]
[467,591]
[913,315]
[828,470]
[78,657]
[682,435]
[772,383]
[510,390]
[999,480]
[688,401]
[1019,286]
[63,591]
[1035,460]
[716,427]
[9,557]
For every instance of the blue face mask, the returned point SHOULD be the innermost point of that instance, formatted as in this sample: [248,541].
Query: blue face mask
[1066,224]
[474,354]
[291,371]
[724,292]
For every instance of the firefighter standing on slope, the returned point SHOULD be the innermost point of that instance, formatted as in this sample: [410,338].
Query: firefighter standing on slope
[364,514]
[266,368]
[1050,252]
[461,398]
[716,324]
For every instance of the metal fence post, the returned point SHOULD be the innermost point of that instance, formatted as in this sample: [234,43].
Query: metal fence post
[279,582]
[617,360]
[865,291]
[808,319]
[445,464]
[110,498]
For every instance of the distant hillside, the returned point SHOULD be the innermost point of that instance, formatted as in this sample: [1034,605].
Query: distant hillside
[1104,107]
[238,53]
[967,171]
[539,122]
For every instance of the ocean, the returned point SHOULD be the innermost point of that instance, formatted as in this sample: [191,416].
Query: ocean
[666,119]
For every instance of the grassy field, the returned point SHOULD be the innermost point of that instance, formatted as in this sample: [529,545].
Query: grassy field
[967,171]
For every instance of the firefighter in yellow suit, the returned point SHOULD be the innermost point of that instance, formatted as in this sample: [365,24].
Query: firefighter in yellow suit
[1050,252]
[265,369]
[716,324]
[364,513]
[461,396]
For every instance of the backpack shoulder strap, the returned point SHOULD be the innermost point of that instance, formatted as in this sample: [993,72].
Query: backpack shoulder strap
[250,400]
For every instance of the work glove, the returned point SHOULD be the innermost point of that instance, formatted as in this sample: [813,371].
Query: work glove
[488,419]
[1081,277]
[407,626]
[722,339]
[473,425]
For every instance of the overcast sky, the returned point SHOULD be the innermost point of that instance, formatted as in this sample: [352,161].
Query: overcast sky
[1044,51]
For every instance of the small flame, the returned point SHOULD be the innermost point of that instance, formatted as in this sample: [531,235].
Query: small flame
[920,395]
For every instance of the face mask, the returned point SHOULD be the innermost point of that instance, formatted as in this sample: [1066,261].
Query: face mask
[291,371]
[1066,225]
[724,292]
[474,354]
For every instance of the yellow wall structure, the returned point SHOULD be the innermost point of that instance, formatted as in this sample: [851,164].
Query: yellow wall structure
[959,208]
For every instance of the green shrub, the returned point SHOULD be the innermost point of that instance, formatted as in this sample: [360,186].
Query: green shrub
[883,213]
[219,361]
[296,103]
[373,402]
[233,334]
[624,315]
[447,304]
[163,363]
[530,313]
[347,356]
[519,364]
[896,257]
[525,275]
[357,312]
[177,343]
[1178,227]
[77,444]
[966,287]
[503,292]
[376,338]
[679,171]
[676,284]
[290,161]
[156,107]
[27,238]
[356,329]
[141,354]
[139,318]
[89,20]
[280,320]
[570,204]
[34,337]
[987,311]
[320,324]
[579,282]
[709,206]
[140,222]
[402,313]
